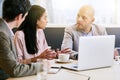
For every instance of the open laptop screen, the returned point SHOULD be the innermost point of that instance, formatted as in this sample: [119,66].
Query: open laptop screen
[95,52]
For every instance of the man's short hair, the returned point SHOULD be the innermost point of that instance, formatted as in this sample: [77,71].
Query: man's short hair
[12,8]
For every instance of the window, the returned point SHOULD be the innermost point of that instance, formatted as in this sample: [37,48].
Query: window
[65,11]
[1,1]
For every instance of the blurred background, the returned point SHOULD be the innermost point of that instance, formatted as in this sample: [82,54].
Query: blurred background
[63,12]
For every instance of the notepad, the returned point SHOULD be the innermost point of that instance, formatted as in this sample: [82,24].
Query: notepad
[54,70]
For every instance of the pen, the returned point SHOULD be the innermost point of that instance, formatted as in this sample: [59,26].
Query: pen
[56,67]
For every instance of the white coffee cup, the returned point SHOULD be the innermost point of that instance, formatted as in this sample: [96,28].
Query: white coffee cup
[64,57]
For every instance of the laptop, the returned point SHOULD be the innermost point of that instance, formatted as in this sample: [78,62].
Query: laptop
[94,52]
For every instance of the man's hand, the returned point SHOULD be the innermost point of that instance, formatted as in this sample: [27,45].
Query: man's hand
[65,51]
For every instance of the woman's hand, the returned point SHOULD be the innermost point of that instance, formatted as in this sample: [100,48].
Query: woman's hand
[48,54]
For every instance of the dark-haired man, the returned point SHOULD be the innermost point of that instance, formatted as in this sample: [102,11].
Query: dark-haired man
[14,12]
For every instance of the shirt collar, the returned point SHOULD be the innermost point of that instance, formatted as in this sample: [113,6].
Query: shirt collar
[12,34]
[87,34]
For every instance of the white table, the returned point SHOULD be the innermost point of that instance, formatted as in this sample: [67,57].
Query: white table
[111,73]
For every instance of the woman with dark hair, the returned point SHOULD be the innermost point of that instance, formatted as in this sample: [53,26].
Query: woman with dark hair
[30,40]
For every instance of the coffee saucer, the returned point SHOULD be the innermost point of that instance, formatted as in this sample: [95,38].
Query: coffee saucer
[58,61]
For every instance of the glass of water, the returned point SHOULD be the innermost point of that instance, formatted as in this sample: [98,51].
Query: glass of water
[42,71]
